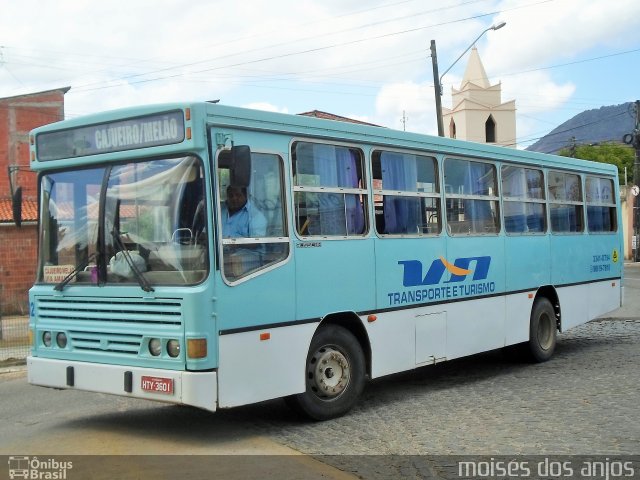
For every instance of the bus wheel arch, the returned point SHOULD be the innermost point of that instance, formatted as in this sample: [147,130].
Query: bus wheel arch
[550,293]
[335,369]
[352,322]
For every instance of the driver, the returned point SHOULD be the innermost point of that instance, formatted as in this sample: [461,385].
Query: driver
[240,218]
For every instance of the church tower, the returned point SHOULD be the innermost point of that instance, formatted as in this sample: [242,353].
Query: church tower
[477,113]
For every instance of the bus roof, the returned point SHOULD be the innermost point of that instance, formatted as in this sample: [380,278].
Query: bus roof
[305,126]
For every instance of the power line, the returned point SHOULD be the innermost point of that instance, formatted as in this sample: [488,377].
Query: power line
[184,65]
[82,88]
[568,63]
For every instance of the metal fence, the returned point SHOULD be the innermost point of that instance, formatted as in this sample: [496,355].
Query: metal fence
[14,339]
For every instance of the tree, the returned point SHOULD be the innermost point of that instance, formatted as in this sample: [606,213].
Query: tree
[614,153]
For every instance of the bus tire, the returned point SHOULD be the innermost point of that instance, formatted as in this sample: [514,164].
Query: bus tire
[542,331]
[334,375]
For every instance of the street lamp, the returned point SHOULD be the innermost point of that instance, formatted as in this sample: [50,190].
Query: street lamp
[437,80]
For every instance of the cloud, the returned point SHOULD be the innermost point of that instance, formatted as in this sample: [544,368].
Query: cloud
[557,31]
[413,100]
[267,107]
[364,60]
[536,92]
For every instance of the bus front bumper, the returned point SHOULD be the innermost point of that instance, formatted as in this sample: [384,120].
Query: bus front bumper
[198,389]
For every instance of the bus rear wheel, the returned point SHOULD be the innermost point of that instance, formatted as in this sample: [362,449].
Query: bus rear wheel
[542,331]
[334,375]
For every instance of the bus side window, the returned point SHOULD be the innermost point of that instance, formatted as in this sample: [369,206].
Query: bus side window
[565,202]
[524,200]
[472,197]
[406,194]
[253,218]
[601,207]
[329,190]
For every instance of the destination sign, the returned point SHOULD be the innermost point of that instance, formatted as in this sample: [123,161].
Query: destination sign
[148,131]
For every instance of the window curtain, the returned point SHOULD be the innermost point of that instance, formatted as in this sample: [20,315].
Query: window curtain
[477,212]
[514,185]
[599,217]
[336,167]
[400,172]
[535,190]
[564,217]
[265,192]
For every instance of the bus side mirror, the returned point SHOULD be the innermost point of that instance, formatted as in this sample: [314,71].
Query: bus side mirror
[16,203]
[240,166]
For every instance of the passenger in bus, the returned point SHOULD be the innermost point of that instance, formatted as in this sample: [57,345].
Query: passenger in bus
[240,218]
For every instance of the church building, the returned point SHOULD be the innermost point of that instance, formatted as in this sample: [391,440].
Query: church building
[478,113]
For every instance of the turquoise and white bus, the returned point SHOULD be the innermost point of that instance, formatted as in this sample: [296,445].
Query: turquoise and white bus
[357,252]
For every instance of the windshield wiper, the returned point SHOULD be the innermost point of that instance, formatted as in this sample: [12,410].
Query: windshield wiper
[144,284]
[81,266]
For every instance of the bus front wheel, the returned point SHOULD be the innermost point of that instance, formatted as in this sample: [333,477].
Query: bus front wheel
[334,375]
[542,331]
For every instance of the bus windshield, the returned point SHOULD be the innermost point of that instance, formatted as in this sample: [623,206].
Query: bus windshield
[141,222]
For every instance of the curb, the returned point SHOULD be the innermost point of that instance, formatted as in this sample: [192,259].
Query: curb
[13,369]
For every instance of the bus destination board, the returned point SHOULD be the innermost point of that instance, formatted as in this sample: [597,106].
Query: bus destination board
[117,136]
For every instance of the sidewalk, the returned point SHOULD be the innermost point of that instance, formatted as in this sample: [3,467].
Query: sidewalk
[12,370]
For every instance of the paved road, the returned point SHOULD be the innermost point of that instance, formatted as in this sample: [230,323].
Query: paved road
[584,401]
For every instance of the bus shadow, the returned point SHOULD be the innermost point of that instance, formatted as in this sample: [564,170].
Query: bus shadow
[448,374]
[491,366]
[185,425]
[188,425]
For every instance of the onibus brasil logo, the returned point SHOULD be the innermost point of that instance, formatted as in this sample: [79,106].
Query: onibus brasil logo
[443,280]
[38,468]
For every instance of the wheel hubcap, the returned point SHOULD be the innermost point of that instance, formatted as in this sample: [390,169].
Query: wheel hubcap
[328,373]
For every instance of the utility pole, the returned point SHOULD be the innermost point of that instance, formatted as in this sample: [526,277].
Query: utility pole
[572,147]
[636,181]
[437,80]
[438,87]
[634,140]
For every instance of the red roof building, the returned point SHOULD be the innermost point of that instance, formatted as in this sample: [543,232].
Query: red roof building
[29,210]
[331,116]
[18,246]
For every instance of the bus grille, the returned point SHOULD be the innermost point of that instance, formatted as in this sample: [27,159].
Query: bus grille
[110,326]
[106,342]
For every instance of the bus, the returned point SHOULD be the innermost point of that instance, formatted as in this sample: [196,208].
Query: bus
[214,256]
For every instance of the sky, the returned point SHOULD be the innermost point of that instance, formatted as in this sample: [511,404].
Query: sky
[368,60]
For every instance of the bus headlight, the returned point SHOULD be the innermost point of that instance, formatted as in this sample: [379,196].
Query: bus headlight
[173,348]
[46,339]
[155,347]
[61,340]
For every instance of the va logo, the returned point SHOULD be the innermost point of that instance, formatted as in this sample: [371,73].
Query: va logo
[459,270]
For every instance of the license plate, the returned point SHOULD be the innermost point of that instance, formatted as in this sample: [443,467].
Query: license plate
[157,385]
